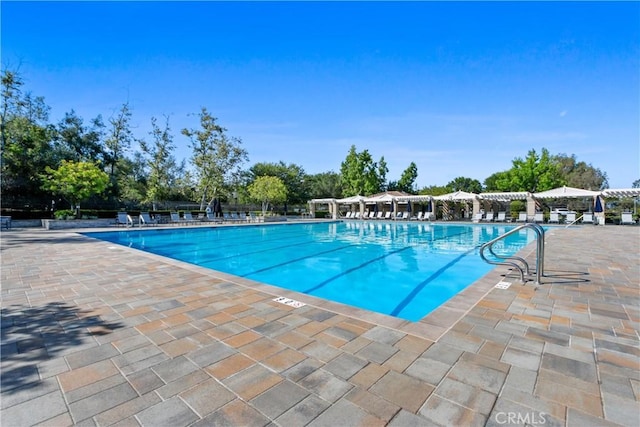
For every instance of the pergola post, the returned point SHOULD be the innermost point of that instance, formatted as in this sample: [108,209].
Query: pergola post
[531,208]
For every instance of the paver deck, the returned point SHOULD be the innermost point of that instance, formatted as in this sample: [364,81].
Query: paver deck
[98,334]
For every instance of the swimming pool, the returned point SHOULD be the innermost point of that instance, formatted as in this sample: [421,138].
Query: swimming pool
[404,270]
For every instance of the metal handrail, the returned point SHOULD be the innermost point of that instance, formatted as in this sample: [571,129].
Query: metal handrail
[513,260]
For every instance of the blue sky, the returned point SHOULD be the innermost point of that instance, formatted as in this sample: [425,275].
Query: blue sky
[461,89]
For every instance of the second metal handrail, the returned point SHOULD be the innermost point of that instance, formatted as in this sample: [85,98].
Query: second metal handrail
[513,260]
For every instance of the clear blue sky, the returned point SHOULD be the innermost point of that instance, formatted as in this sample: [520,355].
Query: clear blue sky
[461,89]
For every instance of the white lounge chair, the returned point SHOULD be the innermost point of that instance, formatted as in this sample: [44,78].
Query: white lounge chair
[627,218]
[429,216]
[124,219]
[488,216]
[145,219]
[570,218]
[554,217]
[587,218]
[419,217]
[538,217]
[522,217]
[502,217]
[477,217]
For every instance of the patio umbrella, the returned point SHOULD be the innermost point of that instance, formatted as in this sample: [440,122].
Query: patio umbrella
[598,205]
[409,207]
[375,208]
[429,206]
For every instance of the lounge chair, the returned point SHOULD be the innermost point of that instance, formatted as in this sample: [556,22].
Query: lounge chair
[502,217]
[429,216]
[419,217]
[587,218]
[348,215]
[570,218]
[477,217]
[522,217]
[212,218]
[405,216]
[626,218]
[538,217]
[489,216]
[124,219]
[145,219]
[554,217]
[189,218]
[175,218]
[380,215]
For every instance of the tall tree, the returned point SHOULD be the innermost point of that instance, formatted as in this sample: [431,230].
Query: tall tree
[292,175]
[580,174]
[383,169]
[216,157]
[119,138]
[79,142]
[160,162]
[324,185]
[25,142]
[469,185]
[534,173]
[408,178]
[359,174]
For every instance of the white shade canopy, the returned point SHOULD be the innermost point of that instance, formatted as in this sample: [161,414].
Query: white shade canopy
[564,191]
[458,196]
[352,199]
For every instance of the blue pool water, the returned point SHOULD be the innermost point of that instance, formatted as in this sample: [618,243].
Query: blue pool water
[404,270]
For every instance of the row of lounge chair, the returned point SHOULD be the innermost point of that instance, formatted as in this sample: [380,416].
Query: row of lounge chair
[403,216]
[145,219]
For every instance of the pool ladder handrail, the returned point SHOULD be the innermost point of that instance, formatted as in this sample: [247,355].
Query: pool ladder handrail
[513,260]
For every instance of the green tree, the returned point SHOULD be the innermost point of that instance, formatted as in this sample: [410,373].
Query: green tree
[497,182]
[25,142]
[408,178]
[359,174]
[160,162]
[383,170]
[75,181]
[580,174]
[292,175]
[268,189]
[79,142]
[469,185]
[324,185]
[534,173]
[216,157]
[435,190]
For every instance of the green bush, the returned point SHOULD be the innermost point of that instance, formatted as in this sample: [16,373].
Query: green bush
[64,214]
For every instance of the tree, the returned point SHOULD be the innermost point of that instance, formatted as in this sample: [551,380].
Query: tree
[217,158]
[25,142]
[79,142]
[383,169]
[499,181]
[360,174]
[533,174]
[75,181]
[160,162]
[268,189]
[580,174]
[324,185]
[292,175]
[408,178]
[465,184]
[119,138]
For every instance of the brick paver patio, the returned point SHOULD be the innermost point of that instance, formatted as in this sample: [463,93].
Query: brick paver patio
[97,334]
